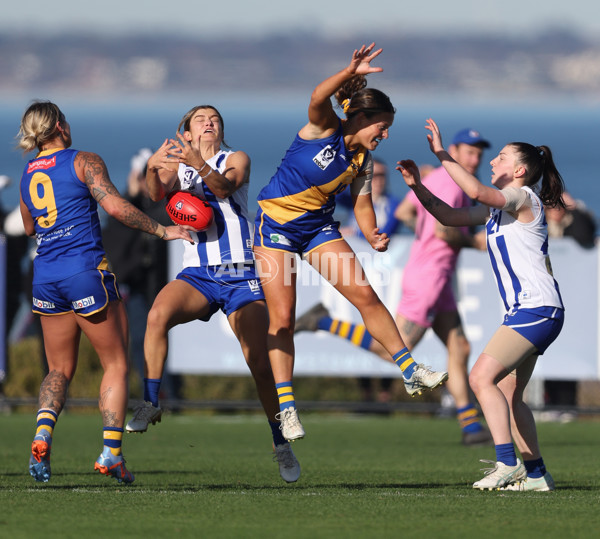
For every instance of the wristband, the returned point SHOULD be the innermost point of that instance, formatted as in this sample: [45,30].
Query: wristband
[210,169]
[202,168]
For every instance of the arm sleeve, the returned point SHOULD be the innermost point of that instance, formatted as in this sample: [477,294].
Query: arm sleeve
[515,198]
[362,184]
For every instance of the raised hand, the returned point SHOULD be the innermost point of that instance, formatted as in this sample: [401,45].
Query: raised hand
[410,172]
[361,60]
[163,158]
[186,153]
[435,139]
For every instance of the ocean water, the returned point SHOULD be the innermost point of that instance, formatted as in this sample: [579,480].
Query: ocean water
[265,130]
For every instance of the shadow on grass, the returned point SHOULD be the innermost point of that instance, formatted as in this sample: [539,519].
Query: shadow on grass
[233,486]
[111,483]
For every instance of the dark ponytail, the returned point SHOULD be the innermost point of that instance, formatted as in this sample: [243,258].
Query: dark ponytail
[354,97]
[538,163]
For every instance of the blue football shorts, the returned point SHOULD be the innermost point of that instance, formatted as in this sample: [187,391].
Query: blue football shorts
[540,326]
[291,237]
[227,287]
[84,293]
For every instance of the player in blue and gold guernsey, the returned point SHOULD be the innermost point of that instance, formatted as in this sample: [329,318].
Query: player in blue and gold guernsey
[295,217]
[73,289]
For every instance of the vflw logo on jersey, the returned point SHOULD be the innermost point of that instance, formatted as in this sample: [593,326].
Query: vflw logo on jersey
[188,178]
[324,158]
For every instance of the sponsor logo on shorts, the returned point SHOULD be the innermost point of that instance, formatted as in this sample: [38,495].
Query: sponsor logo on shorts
[40,304]
[254,285]
[41,164]
[324,158]
[83,303]
[279,238]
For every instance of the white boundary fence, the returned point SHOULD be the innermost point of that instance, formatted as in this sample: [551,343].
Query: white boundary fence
[211,348]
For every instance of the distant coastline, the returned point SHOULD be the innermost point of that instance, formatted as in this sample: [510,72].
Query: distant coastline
[550,64]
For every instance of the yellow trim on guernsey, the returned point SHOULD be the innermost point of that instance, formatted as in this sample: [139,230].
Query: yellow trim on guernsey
[287,208]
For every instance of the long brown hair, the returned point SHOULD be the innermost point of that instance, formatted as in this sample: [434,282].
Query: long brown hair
[355,97]
[539,164]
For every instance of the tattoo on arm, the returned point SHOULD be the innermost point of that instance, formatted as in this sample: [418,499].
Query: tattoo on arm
[431,202]
[98,181]
[96,176]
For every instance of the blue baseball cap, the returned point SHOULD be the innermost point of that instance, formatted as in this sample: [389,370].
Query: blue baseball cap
[470,137]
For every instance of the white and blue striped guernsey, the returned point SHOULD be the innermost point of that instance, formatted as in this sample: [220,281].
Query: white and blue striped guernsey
[228,239]
[520,261]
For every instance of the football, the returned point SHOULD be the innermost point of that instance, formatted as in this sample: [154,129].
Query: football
[185,208]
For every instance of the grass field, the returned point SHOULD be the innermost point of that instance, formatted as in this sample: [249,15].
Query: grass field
[202,475]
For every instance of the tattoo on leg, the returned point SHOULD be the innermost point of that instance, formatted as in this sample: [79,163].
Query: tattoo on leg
[411,333]
[53,391]
[109,418]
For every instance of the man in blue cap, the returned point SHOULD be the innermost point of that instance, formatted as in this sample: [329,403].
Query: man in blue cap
[428,299]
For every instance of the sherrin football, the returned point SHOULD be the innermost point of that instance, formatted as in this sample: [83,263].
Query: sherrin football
[185,208]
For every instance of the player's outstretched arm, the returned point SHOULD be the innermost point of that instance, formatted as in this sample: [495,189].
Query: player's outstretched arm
[445,214]
[322,119]
[91,170]
[474,189]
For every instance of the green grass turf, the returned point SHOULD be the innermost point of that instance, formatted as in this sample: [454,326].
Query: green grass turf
[200,475]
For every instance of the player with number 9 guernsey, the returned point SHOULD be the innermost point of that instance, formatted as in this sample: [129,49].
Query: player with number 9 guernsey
[73,288]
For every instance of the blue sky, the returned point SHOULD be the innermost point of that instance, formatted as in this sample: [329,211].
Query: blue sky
[262,17]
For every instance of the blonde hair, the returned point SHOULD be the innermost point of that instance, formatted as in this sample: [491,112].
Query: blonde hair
[38,125]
